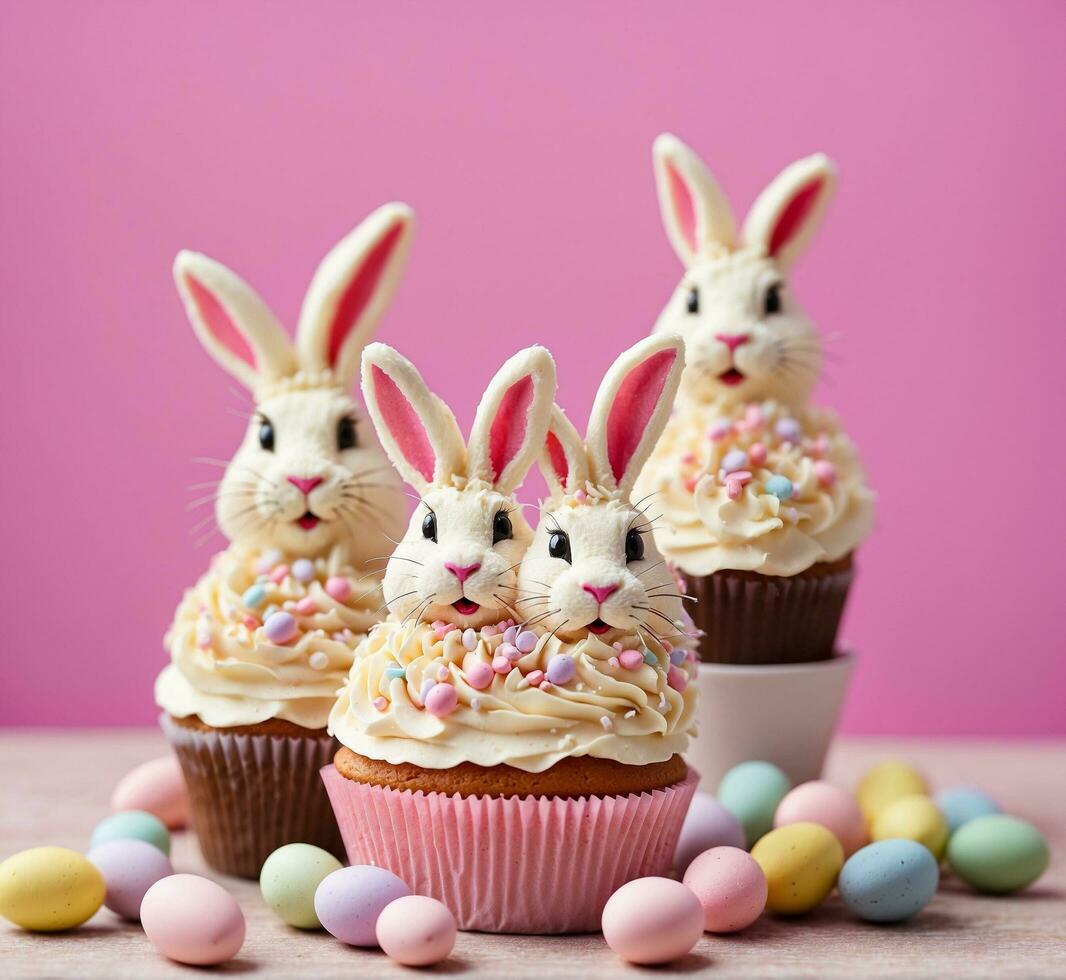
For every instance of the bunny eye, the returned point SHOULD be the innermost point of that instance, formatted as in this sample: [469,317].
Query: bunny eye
[634,546]
[559,546]
[266,435]
[346,436]
[692,302]
[429,527]
[501,528]
[772,300]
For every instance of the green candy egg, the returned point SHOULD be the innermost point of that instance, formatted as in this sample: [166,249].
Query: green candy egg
[998,853]
[751,792]
[136,824]
[289,879]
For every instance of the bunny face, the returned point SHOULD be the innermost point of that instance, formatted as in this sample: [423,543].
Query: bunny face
[457,560]
[746,337]
[593,566]
[309,474]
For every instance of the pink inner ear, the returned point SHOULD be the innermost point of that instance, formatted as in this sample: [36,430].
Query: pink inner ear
[404,425]
[557,458]
[508,430]
[795,213]
[360,292]
[218,321]
[684,206]
[633,407]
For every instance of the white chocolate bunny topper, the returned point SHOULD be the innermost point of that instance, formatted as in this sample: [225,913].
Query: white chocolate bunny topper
[309,475]
[457,561]
[746,337]
[593,566]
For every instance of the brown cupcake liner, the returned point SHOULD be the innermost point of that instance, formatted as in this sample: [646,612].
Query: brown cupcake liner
[251,793]
[748,618]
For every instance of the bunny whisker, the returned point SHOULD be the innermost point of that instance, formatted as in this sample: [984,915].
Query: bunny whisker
[662,616]
[671,595]
[395,598]
[419,608]
[651,568]
[536,619]
[506,606]
[397,558]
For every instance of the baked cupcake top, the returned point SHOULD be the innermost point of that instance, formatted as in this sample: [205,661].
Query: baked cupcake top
[756,487]
[264,636]
[435,696]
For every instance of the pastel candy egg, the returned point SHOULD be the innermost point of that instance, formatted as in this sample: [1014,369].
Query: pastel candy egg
[156,786]
[998,854]
[48,889]
[652,920]
[280,627]
[479,675]
[130,867]
[192,920]
[677,678]
[751,791]
[338,588]
[441,700]
[526,641]
[886,782]
[757,454]
[801,862]
[253,596]
[889,880]
[306,606]
[303,570]
[825,472]
[133,823]
[788,429]
[961,804]
[832,807]
[268,560]
[416,930]
[731,887]
[562,669]
[779,486]
[289,879]
[707,824]
[631,659]
[735,459]
[349,901]
[501,664]
[915,818]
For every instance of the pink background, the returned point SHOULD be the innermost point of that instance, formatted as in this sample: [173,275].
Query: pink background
[521,135]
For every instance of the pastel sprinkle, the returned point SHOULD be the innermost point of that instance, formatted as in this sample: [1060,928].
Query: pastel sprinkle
[268,560]
[526,641]
[280,627]
[677,657]
[501,664]
[442,700]
[734,489]
[251,622]
[562,669]
[631,713]
[753,416]
[826,472]
[427,685]
[253,596]
[479,675]
[617,644]
[677,678]
[510,634]
[203,638]
[303,570]
[757,454]
[631,659]
[788,429]
[338,587]
[306,606]
[613,662]
[278,575]
[380,703]
[318,660]
[444,629]
[394,673]
[735,459]
[488,631]
[719,429]
[475,703]
[779,486]
[470,638]
[606,724]
[535,677]
[510,651]
[442,673]
[688,458]
[581,496]
[650,658]
[690,483]
[545,685]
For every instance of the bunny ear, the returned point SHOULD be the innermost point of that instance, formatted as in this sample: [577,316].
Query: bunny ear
[232,322]
[786,214]
[512,420]
[694,209]
[351,290]
[631,409]
[416,428]
[563,460]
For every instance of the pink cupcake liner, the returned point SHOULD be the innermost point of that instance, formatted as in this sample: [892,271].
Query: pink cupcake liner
[512,864]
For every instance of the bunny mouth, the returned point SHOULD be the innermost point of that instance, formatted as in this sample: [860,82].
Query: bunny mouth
[465,606]
[731,377]
[309,521]
[598,626]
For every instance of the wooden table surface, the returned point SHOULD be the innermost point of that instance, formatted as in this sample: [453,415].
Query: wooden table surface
[54,787]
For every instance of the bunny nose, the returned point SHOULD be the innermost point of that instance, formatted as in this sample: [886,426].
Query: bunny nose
[732,340]
[599,592]
[305,484]
[462,572]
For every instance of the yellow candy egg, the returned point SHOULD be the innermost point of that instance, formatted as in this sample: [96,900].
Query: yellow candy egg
[913,818]
[885,783]
[49,888]
[801,862]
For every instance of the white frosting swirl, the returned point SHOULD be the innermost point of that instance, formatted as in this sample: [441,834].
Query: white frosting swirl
[226,670]
[635,715]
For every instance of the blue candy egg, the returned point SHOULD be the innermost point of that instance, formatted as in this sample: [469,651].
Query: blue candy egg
[135,824]
[779,486]
[253,595]
[889,881]
[961,804]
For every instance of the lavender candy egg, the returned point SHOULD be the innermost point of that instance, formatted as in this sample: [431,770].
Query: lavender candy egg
[303,570]
[130,867]
[707,824]
[562,669]
[349,901]
[280,627]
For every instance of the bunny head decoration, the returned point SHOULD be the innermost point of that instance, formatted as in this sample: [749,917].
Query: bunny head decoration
[457,561]
[308,475]
[746,337]
[593,566]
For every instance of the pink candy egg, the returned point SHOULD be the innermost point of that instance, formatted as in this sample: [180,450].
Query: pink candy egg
[828,805]
[348,902]
[192,920]
[441,700]
[338,588]
[731,887]
[478,674]
[157,787]
[416,930]
[130,867]
[707,824]
[652,920]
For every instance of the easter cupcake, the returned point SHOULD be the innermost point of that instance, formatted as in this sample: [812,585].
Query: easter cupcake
[260,645]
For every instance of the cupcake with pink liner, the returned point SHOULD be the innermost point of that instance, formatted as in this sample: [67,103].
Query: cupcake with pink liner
[488,762]
[260,645]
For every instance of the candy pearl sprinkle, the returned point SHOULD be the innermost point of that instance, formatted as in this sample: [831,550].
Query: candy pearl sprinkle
[779,486]
[303,570]
[338,587]
[280,627]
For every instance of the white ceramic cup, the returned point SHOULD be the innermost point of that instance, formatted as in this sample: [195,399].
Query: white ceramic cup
[782,713]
